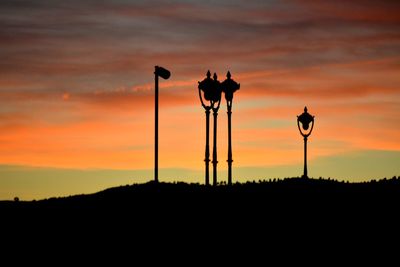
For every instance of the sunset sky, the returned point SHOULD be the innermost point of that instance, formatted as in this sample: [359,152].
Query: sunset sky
[77,90]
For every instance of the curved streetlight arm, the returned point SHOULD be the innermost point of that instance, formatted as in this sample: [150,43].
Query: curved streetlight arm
[301,132]
[298,125]
[202,103]
[312,126]
[215,108]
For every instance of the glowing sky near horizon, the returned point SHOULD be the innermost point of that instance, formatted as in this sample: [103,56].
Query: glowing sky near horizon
[76,90]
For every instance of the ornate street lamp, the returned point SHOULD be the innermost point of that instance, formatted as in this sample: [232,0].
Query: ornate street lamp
[165,74]
[305,119]
[229,86]
[206,86]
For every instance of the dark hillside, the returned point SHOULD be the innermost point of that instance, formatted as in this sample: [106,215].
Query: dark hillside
[277,195]
[179,217]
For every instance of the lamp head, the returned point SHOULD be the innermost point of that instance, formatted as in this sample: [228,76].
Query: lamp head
[229,86]
[216,89]
[207,86]
[305,119]
[161,72]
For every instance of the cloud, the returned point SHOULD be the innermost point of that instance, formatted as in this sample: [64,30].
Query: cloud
[359,10]
[66,96]
[348,80]
[77,39]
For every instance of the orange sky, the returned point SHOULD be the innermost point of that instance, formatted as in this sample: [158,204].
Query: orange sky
[76,88]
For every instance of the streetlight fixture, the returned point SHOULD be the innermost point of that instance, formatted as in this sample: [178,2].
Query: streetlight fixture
[211,94]
[206,87]
[165,74]
[305,119]
[229,86]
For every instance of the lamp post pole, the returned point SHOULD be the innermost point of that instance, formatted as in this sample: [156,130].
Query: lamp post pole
[215,103]
[230,160]
[215,161]
[165,74]
[207,153]
[156,129]
[305,175]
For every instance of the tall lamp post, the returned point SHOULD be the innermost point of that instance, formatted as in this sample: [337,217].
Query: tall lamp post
[229,86]
[305,119]
[165,74]
[205,86]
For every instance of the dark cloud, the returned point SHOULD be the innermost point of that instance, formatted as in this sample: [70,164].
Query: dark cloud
[87,45]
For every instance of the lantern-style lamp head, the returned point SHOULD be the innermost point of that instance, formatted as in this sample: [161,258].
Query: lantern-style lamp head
[305,119]
[229,86]
[206,86]
[216,89]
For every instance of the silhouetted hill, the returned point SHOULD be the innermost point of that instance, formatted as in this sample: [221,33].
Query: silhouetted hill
[248,217]
[186,198]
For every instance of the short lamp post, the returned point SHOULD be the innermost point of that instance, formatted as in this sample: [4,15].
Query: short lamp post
[165,74]
[229,86]
[305,119]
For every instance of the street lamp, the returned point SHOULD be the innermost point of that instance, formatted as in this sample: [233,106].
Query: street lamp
[229,86]
[206,87]
[165,74]
[212,94]
[305,119]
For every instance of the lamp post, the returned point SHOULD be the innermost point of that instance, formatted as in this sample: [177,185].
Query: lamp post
[305,119]
[229,86]
[205,86]
[165,74]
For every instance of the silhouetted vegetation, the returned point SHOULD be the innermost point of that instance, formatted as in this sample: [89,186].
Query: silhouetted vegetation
[261,193]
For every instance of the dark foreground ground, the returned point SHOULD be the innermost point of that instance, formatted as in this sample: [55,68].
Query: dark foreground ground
[293,199]
[191,217]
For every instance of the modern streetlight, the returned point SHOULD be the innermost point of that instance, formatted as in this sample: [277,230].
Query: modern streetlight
[229,86]
[212,96]
[305,119]
[165,74]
